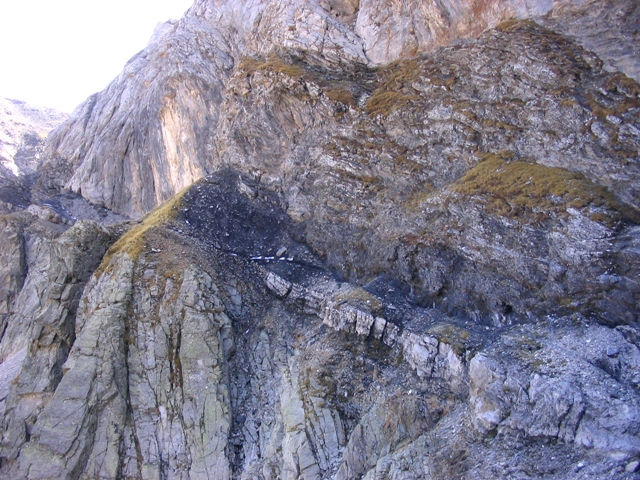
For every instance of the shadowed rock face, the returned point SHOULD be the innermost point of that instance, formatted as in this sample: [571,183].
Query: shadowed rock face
[213,339]
[356,269]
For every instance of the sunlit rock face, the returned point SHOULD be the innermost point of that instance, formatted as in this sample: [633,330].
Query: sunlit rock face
[370,240]
[158,121]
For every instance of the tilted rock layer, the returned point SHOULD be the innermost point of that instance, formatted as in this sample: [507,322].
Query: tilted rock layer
[392,240]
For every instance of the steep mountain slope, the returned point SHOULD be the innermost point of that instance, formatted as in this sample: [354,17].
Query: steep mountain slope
[396,245]
[200,353]
[158,125]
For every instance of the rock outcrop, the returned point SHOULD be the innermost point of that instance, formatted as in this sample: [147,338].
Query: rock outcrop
[159,127]
[198,352]
[44,270]
[373,240]
[428,168]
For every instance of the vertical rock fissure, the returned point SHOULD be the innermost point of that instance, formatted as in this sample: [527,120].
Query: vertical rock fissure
[129,415]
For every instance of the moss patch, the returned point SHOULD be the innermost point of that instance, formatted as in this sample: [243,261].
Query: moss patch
[528,191]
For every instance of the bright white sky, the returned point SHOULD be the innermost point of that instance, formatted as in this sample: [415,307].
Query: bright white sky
[55,53]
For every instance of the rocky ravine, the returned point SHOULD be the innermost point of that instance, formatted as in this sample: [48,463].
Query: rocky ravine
[419,269]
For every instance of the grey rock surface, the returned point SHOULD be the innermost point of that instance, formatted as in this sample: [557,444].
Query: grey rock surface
[609,32]
[160,128]
[346,145]
[397,181]
[195,357]
[393,240]
[48,268]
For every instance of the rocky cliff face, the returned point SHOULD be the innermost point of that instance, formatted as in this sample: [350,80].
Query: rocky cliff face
[198,352]
[158,127]
[405,245]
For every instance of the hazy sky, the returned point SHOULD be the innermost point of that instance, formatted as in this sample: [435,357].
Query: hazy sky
[55,53]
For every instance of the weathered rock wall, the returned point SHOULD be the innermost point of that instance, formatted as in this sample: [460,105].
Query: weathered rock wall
[149,134]
[158,122]
[385,169]
[425,269]
[45,269]
[462,174]
[607,28]
[202,353]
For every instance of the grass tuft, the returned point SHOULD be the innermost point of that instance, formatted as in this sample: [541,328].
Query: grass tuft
[133,240]
[342,96]
[389,96]
[532,192]
[271,64]
[514,25]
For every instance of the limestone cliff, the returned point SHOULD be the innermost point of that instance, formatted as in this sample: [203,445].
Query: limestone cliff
[158,121]
[373,240]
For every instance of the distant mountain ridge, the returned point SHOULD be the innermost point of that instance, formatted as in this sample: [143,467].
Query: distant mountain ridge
[23,133]
[25,127]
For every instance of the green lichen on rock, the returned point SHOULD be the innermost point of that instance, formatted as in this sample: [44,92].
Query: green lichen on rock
[533,192]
